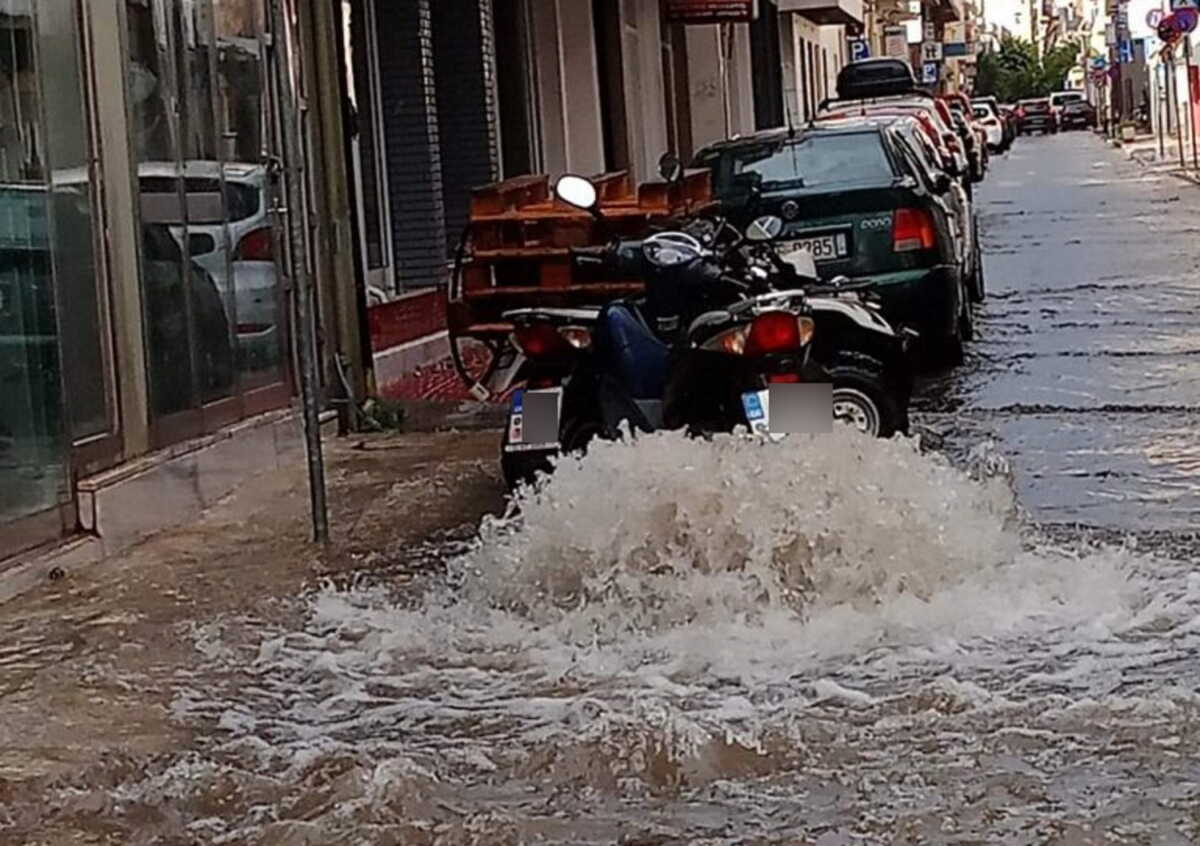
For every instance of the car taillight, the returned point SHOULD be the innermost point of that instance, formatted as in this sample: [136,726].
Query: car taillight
[778,331]
[258,245]
[912,229]
[541,340]
[784,378]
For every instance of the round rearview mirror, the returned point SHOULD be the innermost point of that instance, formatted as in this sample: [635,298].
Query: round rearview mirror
[670,168]
[577,191]
[766,228]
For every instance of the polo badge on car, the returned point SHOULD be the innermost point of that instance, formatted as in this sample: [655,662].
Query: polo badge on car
[790,210]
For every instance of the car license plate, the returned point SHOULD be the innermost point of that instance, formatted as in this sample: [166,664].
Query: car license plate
[518,428]
[823,247]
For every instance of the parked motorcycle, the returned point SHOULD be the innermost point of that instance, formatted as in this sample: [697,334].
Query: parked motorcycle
[723,317]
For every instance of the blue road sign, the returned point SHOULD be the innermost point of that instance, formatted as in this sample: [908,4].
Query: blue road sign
[929,73]
[1126,52]
[859,49]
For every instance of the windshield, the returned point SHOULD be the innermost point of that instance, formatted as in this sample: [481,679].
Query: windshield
[816,161]
[1063,99]
[1036,106]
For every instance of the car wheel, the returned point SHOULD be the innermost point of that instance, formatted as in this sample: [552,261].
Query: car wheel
[978,289]
[966,320]
[862,399]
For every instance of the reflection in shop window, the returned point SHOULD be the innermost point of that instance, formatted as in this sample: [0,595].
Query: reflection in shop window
[32,451]
[212,288]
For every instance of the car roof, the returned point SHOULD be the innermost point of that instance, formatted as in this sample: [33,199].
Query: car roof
[786,135]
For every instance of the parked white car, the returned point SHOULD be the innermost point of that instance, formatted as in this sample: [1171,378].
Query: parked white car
[988,119]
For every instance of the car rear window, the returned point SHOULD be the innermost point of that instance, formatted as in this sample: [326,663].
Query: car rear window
[815,161]
[241,200]
[1063,99]
[1037,106]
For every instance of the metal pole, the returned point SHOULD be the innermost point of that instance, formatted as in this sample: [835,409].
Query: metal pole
[1178,117]
[294,112]
[1187,59]
[1162,108]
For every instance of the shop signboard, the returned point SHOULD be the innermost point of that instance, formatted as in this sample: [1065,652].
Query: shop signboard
[711,11]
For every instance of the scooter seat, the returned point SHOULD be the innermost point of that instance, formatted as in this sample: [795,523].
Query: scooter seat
[630,351]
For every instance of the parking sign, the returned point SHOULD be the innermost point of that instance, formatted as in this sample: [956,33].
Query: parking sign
[929,73]
[859,49]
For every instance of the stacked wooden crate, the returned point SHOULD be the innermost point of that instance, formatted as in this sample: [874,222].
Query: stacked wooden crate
[516,251]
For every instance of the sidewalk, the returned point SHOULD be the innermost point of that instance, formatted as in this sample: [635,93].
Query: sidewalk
[93,660]
[1144,150]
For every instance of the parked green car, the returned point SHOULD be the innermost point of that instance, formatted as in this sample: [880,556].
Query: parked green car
[867,199]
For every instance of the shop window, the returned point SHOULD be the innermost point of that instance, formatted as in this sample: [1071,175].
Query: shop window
[210,281]
[55,349]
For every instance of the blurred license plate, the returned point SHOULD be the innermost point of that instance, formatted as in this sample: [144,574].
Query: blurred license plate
[757,405]
[823,247]
[533,420]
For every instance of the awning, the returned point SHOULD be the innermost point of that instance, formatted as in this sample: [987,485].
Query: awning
[826,11]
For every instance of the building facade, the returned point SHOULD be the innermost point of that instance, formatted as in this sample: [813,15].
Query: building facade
[151,249]
[450,95]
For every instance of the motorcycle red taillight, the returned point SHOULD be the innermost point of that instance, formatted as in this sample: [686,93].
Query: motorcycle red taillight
[912,229]
[540,340]
[776,332]
[258,245]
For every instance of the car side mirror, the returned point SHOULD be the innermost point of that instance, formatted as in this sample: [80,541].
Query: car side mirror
[942,183]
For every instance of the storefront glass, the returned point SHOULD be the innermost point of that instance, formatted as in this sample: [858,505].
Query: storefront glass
[210,282]
[49,294]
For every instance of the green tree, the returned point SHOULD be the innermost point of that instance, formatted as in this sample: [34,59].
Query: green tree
[1016,71]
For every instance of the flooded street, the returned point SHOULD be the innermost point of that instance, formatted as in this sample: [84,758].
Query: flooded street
[731,642]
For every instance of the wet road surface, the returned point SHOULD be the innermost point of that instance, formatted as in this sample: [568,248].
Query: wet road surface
[682,643]
[1087,367]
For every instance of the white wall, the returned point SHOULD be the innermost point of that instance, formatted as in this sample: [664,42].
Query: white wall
[568,87]
[714,94]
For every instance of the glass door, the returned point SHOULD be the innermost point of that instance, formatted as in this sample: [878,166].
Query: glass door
[212,292]
[54,332]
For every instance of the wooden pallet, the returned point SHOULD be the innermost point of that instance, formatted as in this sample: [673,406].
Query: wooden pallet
[515,253]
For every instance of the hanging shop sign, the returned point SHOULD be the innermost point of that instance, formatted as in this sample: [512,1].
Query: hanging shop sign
[895,42]
[711,11]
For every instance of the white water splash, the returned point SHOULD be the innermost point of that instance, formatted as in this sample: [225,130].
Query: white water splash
[734,624]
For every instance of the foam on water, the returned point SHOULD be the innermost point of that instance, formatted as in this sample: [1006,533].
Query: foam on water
[731,626]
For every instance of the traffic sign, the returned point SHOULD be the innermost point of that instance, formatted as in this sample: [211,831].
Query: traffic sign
[1153,17]
[931,51]
[1126,52]
[1176,5]
[1185,20]
[929,73]
[860,49]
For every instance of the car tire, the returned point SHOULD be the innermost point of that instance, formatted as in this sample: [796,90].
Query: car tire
[861,393]
[977,288]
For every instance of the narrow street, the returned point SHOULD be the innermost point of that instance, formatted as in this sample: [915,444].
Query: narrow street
[1087,368]
[692,643]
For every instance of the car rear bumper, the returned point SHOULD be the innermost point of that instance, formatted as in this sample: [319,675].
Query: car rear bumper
[927,300]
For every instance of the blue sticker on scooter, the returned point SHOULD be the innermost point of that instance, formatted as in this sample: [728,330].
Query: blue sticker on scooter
[518,401]
[753,407]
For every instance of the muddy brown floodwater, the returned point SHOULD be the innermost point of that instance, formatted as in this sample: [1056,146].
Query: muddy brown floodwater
[827,640]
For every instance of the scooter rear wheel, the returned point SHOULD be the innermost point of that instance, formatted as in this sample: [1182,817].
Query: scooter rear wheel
[861,397]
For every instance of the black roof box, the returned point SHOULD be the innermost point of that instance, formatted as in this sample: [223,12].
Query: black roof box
[879,77]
